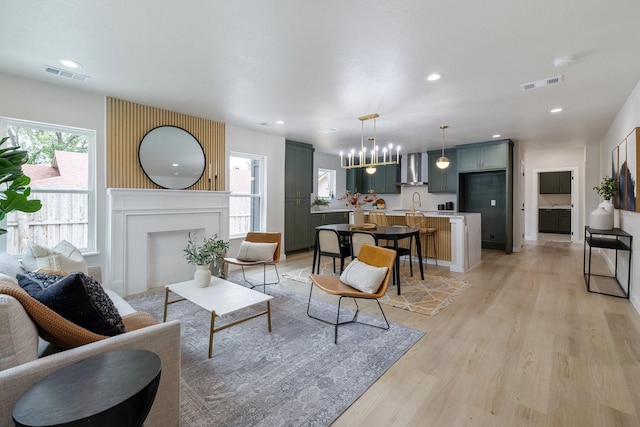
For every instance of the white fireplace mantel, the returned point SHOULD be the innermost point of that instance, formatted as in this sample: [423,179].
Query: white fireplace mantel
[147,232]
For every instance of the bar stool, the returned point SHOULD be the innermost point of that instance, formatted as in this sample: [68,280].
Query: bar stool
[418,220]
[380,218]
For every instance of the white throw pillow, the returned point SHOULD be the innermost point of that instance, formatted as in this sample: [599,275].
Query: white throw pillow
[364,277]
[64,256]
[253,251]
[9,267]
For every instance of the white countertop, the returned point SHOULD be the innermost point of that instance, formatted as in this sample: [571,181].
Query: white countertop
[401,212]
[436,213]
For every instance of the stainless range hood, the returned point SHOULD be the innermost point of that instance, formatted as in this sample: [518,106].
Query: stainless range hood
[413,169]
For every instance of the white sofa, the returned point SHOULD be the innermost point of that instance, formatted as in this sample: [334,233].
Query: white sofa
[23,361]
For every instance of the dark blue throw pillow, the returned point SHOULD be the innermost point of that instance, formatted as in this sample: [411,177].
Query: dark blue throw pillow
[76,297]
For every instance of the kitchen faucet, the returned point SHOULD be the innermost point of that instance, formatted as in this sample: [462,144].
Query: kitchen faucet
[413,201]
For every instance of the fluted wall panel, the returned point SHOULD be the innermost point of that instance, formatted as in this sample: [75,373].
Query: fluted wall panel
[443,236]
[127,124]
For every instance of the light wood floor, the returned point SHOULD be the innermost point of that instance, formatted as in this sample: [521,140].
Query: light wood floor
[525,345]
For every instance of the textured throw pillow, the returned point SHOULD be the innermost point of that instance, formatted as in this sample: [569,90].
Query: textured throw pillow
[64,256]
[253,251]
[364,277]
[76,297]
[9,267]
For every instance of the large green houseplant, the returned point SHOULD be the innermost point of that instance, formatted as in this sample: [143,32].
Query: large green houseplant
[14,184]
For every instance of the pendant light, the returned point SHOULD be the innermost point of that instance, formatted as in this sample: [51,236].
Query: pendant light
[442,162]
[373,161]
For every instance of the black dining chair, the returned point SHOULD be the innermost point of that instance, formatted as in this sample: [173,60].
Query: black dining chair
[330,244]
[359,238]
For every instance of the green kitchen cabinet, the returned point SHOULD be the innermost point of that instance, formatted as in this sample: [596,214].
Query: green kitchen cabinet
[355,179]
[554,182]
[483,156]
[324,218]
[564,221]
[554,221]
[443,180]
[383,181]
[297,189]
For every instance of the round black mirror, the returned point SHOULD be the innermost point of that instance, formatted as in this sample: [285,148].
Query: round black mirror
[171,157]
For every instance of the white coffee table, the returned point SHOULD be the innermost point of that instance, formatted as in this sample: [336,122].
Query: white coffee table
[219,298]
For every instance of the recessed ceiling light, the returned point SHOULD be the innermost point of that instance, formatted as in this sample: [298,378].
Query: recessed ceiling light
[564,61]
[433,77]
[69,63]
[556,110]
[280,122]
[497,135]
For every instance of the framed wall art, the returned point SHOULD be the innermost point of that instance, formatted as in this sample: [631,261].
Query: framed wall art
[624,168]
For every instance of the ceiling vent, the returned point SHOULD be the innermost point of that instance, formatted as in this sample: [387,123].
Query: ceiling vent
[64,73]
[541,83]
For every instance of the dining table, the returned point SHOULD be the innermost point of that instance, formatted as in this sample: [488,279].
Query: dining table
[395,233]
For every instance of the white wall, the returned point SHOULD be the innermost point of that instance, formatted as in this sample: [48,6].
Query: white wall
[50,103]
[273,148]
[628,118]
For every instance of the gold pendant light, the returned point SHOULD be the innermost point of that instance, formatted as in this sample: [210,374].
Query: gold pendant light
[359,160]
[442,162]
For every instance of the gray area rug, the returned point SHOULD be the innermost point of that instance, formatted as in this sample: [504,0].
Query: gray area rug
[293,376]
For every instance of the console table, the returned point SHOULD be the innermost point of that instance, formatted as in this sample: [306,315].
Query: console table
[617,240]
[112,389]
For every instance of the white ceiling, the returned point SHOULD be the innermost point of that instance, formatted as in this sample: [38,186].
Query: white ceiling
[321,64]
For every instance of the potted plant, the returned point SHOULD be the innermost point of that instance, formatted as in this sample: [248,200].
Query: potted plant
[607,188]
[14,184]
[603,218]
[320,204]
[202,254]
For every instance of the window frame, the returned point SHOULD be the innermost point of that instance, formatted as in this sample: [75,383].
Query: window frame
[331,173]
[91,191]
[261,196]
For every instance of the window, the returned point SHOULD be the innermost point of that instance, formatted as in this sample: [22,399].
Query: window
[246,198]
[326,183]
[58,165]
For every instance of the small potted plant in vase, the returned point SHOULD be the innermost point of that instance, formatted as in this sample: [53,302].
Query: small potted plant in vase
[602,218]
[205,255]
[320,204]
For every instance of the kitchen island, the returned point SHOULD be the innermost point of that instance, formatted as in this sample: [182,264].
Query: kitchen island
[458,237]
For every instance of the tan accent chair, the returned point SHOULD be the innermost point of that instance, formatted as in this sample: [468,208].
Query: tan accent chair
[259,237]
[418,220]
[372,255]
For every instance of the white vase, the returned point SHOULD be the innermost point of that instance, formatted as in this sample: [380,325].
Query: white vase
[358,216]
[601,219]
[202,276]
[607,205]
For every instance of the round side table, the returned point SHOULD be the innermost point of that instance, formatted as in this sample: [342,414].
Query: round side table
[112,389]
